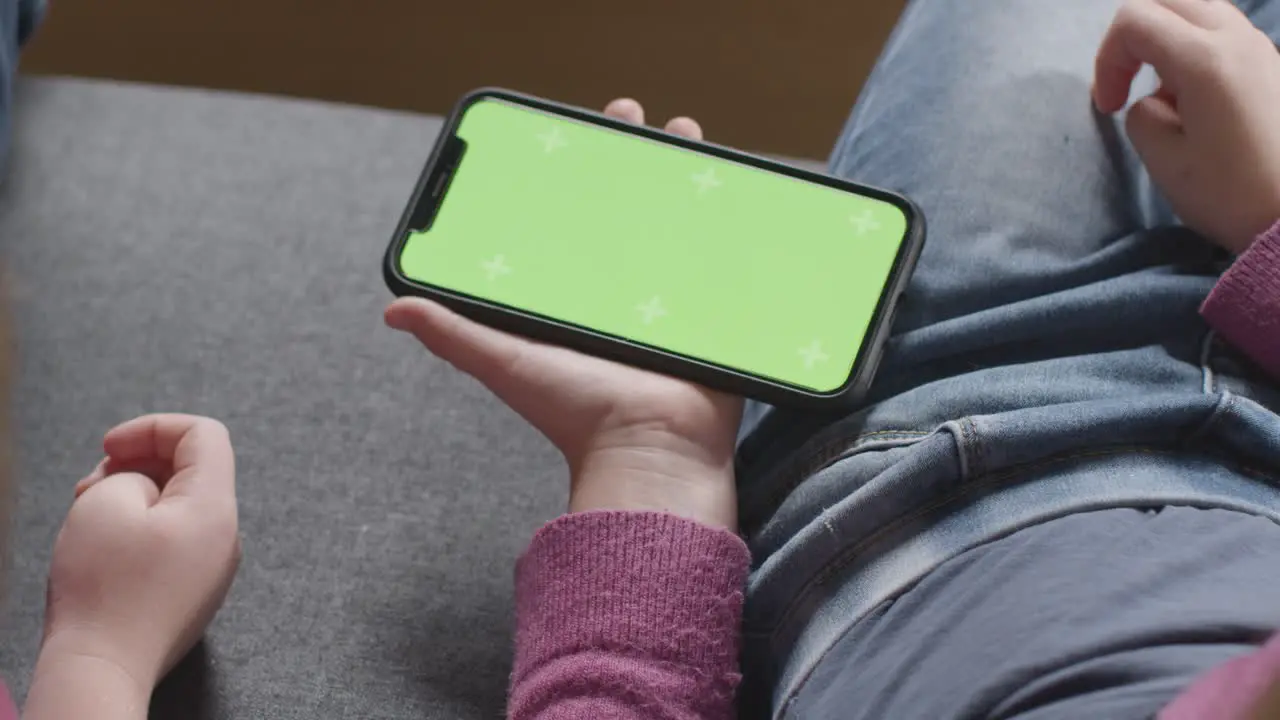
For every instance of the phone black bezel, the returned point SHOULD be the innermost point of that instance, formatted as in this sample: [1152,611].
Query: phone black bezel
[593,342]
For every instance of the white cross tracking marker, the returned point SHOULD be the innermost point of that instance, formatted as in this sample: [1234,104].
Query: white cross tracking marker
[864,222]
[496,267]
[652,310]
[552,140]
[706,180]
[813,355]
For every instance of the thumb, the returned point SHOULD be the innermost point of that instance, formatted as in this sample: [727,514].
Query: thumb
[127,489]
[486,354]
[1155,130]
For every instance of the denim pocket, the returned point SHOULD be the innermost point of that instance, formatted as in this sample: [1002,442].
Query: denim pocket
[888,509]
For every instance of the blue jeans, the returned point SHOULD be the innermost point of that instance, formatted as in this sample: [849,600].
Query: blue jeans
[18,19]
[1048,360]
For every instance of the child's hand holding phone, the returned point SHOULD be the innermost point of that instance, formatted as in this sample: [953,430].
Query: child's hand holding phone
[656,249]
[633,440]
[143,562]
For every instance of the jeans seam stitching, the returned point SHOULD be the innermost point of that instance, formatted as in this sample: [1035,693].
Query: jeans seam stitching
[1226,401]
[1206,364]
[827,454]
[845,556]
[971,450]
[968,489]
[770,635]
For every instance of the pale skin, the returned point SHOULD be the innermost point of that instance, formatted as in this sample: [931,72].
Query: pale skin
[150,546]
[142,564]
[633,440]
[1209,136]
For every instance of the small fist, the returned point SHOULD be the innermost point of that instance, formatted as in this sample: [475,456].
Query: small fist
[1209,136]
[149,548]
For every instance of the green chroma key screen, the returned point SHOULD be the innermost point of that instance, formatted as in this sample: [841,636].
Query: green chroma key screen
[689,253]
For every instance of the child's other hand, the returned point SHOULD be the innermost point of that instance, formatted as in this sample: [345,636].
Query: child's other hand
[1210,137]
[149,548]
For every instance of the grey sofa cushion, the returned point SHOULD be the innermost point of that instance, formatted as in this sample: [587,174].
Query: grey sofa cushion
[219,254]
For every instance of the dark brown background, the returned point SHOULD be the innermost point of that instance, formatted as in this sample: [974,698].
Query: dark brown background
[767,75]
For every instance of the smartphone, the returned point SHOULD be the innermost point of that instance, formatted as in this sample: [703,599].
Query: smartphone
[683,257]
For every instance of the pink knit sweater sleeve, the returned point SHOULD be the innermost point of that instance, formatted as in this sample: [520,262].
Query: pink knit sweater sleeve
[1230,691]
[8,710]
[1244,306]
[628,615]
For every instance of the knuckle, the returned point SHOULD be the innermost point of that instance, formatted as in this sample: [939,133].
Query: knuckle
[213,426]
[1229,15]
[1262,42]
[211,431]
[1208,55]
[1129,13]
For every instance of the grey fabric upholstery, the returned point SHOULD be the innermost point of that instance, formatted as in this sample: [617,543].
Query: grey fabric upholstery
[177,250]
[219,254]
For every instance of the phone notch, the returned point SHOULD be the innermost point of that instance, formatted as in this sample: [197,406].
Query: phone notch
[437,184]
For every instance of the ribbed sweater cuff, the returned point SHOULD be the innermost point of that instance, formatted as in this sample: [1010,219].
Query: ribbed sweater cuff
[644,585]
[1244,307]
